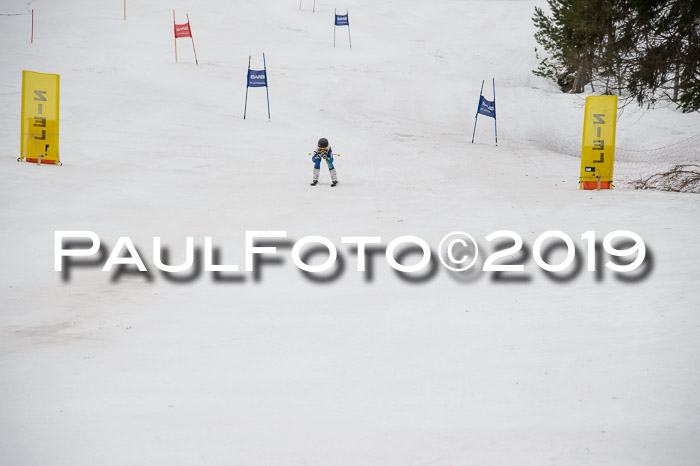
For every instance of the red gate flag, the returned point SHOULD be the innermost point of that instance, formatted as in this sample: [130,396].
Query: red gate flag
[182,30]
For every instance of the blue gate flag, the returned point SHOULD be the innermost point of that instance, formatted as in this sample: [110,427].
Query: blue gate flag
[257,78]
[341,20]
[486,107]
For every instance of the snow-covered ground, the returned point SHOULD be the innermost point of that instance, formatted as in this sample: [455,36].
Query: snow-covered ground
[359,370]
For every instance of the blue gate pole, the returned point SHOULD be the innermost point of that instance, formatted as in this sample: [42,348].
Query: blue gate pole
[477,110]
[349,39]
[335,22]
[245,109]
[495,127]
[267,89]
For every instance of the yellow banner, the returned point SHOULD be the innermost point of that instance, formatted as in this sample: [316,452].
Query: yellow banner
[598,151]
[40,95]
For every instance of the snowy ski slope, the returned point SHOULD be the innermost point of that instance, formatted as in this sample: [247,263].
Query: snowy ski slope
[364,369]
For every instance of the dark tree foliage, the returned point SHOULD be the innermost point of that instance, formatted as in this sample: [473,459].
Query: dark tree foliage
[667,65]
[648,50]
[567,42]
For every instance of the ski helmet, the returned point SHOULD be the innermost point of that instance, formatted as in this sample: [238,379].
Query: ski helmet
[323,142]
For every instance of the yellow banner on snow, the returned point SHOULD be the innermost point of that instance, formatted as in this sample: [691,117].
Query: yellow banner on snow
[40,95]
[598,151]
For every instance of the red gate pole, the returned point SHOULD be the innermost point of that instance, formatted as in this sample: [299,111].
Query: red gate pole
[174,33]
[192,37]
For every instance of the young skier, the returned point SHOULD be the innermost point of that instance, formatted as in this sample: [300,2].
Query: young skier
[323,151]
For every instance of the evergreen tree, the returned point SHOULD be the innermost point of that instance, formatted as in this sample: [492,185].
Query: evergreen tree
[581,38]
[565,38]
[667,63]
[648,50]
